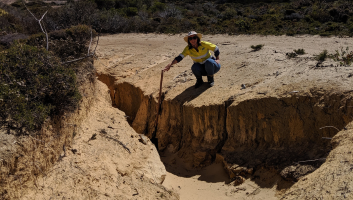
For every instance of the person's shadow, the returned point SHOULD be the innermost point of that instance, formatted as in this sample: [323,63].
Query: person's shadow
[191,93]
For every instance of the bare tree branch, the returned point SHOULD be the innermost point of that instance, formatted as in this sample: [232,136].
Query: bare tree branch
[40,23]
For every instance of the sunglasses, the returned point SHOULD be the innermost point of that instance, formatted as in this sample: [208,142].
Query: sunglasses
[193,38]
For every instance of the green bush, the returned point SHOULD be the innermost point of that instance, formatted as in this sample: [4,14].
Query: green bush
[322,56]
[343,56]
[224,16]
[10,23]
[229,13]
[299,51]
[291,55]
[320,15]
[105,4]
[257,47]
[244,24]
[79,33]
[157,6]
[33,86]
[131,11]
[66,44]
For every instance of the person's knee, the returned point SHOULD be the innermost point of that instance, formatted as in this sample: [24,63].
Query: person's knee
[196,70]
[208,62]
[194,67]
[209,66]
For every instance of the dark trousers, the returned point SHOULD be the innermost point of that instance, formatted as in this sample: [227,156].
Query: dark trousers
[209,68]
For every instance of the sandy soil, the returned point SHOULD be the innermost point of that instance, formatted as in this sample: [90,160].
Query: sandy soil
[98,165]
[138,59]
[212,182]
[107,160]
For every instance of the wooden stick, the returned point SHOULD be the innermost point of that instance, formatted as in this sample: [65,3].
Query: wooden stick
[154,139]
[160,94]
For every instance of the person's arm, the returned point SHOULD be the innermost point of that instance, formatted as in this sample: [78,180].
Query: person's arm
[170,65]
[216,53]
[217,59]
[213,48]
[176,60]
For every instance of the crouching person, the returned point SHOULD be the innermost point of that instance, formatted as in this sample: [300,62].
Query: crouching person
[204,63]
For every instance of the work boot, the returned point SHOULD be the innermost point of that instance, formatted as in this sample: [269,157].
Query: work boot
[199,82]
[210,81]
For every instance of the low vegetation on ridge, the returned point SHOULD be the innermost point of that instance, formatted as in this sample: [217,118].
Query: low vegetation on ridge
[36,83]
[266,17]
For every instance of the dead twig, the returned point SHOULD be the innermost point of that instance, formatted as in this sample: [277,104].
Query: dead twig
[116,140]
[311,160]
[90,43]
[61,157]
[330,127]
[327,138]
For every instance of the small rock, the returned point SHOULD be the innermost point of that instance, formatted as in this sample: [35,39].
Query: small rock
[143,139]
[238,180]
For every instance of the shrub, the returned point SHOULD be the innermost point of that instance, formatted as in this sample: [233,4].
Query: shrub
[343,56]
[322,56]
[291,55]
[157,6]
[320,15]
[33,86]
[105,4]
[109,22]
[72,14]
[2,12]
[171,11]
[66,44]
[10,23]
[229,13]
[257,47]
[299,51]
[127,12]
[244,24]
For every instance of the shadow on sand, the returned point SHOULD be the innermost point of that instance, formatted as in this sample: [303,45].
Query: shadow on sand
[213,173]
[191,93]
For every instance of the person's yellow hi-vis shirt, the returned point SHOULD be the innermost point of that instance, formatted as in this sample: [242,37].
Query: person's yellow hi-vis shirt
[202,55]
